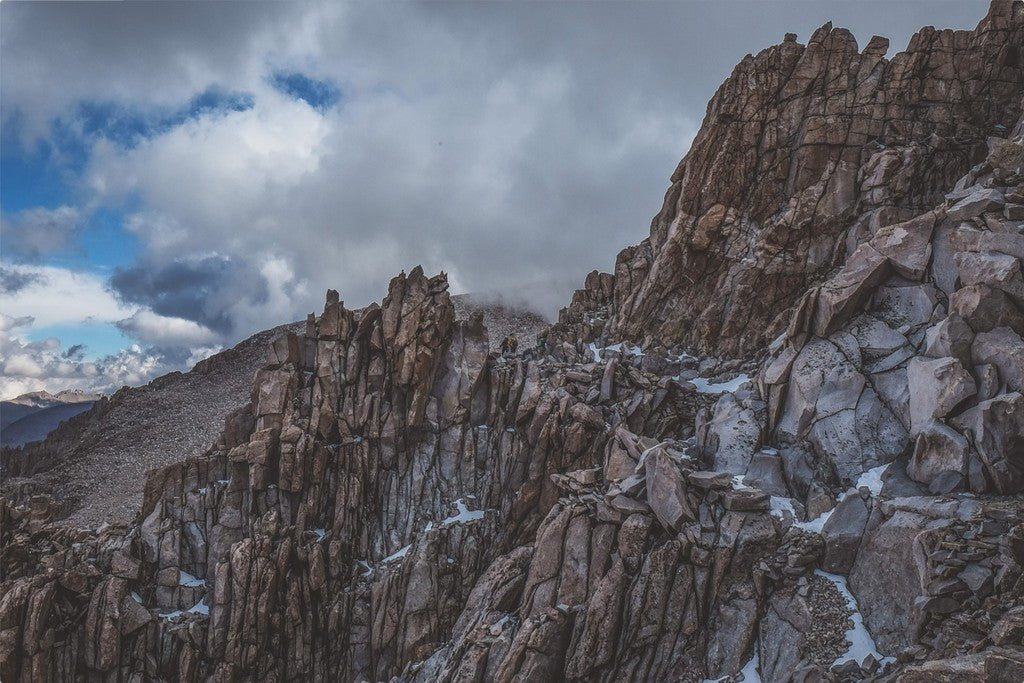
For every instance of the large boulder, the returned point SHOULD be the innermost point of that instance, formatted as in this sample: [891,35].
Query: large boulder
[937,387]
[997,430]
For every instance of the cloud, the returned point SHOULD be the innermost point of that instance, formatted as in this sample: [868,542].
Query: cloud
[52,295]
[39,231]
[13,281]
[162,331]
[44,365]
[188,289]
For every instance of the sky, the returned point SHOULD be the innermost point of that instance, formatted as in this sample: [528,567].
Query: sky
[175,177]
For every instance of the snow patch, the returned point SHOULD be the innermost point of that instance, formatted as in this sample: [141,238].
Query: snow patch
[189,581]
[780,506]
[464,515]
[817,523]
[398,554]
[861,642]
[136,597]
[200,608]
[706,387]
[320,533]
[873,479]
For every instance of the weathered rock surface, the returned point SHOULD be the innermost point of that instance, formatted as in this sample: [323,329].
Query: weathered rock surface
[804,151]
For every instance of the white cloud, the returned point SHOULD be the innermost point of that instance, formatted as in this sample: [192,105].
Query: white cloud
[22,364]
[45,365]
[160,330]
[60,296]
[38,231]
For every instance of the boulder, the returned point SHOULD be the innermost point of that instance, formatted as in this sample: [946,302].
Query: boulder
[840,296]
[937,449]
[842,532]
[976,203]
[951,336]
[995,269]
[1002,348]
[666,491]
[997,430]
[937,387]
[985,309]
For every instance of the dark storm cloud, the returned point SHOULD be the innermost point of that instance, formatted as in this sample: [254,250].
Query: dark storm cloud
[12,281]
[201,290]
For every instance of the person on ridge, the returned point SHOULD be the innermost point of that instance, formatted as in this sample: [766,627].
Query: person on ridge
[509,344]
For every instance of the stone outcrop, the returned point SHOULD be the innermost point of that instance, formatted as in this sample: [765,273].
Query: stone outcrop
[910,369]
[805,150]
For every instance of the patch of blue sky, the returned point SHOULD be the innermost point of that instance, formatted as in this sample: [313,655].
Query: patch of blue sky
[127,126]
[105,244]
[319,94]
[29,177]
[97,339]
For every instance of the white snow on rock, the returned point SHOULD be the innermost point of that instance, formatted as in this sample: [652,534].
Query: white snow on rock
[136,597]
[398,554]
[861,642]
[596,351]
[815,524]
[780,506]
[873,479]
[320,533]
[464,515]
[706,387]
[200,608]
[189,581]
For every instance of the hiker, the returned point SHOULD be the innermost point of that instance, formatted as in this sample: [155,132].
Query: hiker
[509,344]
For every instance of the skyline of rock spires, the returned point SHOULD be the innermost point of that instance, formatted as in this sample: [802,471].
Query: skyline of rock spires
[836,494]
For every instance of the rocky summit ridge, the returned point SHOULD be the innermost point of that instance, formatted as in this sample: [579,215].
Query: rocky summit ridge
[841,500]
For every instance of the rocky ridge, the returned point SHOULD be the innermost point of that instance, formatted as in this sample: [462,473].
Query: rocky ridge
[396,502]
[804,152]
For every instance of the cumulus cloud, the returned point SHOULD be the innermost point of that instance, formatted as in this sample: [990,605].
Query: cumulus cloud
[44,364]
[161,331]
[51,295]
[39,231]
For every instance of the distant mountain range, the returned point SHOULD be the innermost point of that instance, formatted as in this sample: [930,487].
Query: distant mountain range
[30,417]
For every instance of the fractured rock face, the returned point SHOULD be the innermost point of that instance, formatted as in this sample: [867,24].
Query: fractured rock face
[799,143]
